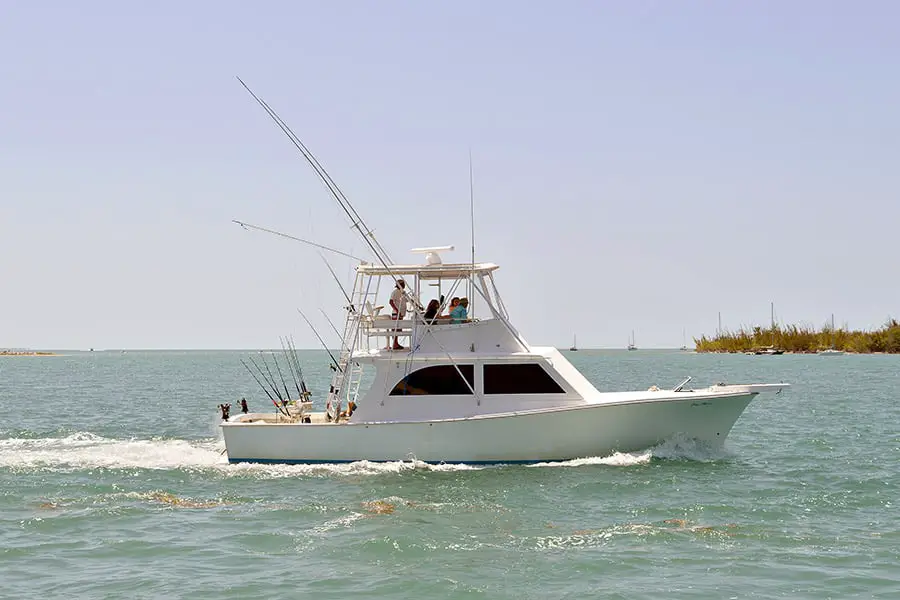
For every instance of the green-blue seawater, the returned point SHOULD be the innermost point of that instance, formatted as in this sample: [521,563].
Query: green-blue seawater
[112,485]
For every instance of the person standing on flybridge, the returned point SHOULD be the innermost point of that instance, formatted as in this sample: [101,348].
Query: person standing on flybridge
[398,308]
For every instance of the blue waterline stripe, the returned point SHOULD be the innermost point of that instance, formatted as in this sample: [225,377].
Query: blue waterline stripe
[279,461]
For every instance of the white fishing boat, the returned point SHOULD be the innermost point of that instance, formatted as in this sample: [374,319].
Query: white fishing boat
[473,391]
[467,389]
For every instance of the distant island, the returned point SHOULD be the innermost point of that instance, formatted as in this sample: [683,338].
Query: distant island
[803,339]
[16,352]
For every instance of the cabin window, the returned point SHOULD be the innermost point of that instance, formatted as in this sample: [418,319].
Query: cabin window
[519,379]
[440,380]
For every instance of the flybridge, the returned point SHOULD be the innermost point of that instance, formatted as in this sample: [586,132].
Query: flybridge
[434,267]
[440,271]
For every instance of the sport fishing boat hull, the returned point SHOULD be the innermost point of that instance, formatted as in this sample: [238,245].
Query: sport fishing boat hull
[564,433]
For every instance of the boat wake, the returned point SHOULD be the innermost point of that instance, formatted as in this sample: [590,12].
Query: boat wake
[683,448]
[616,459]
[89,451]
[82,451]
[675,448]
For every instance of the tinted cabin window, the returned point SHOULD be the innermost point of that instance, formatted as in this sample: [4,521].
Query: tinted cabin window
[519,379]
[442,380]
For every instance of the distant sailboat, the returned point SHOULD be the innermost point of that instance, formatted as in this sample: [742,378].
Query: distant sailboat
[772,350]
[831,351]
[574,347]
[631,345]
[683,340]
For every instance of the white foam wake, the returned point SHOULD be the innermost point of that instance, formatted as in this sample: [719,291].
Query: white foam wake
[89,451]
[361,467]
[616,459]
[683,448]
[676,448]
[81,451]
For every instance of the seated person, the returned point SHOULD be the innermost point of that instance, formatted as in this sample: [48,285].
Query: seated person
[459,314]
[453,304]
[431,312]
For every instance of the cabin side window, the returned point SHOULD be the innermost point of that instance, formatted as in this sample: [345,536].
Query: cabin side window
[439,380]
[519,379]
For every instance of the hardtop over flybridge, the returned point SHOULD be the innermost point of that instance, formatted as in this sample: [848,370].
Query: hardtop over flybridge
[416,380]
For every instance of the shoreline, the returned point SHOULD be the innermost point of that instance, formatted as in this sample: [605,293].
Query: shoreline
[27,353]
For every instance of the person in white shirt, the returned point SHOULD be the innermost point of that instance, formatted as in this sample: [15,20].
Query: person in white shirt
[398,307]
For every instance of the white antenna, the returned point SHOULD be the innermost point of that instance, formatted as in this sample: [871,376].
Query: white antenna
[471,293]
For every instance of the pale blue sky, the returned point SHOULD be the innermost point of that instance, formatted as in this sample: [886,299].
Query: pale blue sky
[638,165]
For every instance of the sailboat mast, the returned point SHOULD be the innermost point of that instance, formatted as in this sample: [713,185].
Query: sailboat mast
[832,331]
[772,310]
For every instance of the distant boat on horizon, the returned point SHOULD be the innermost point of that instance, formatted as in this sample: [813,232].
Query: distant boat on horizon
[683,341]
[631,344]
[772,350]
[831,351]
[574,347]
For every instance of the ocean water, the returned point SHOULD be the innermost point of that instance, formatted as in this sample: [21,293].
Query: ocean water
[113,485]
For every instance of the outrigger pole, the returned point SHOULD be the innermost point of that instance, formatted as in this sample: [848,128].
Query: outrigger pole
[295,238]
[336,192]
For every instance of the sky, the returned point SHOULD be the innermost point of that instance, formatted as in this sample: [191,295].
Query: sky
[640,165]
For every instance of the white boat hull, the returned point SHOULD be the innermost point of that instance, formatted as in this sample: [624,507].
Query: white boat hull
[590,429]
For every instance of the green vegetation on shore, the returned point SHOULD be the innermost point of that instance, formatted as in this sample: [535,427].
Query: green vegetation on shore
[794,338]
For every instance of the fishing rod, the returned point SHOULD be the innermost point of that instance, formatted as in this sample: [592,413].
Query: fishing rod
[274,382]
[293,348]
[295,238]
[287,358]
[321,341]
[261,374]
[333,328]
[338,282]
[272,386]
[262,386]
[287,394]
